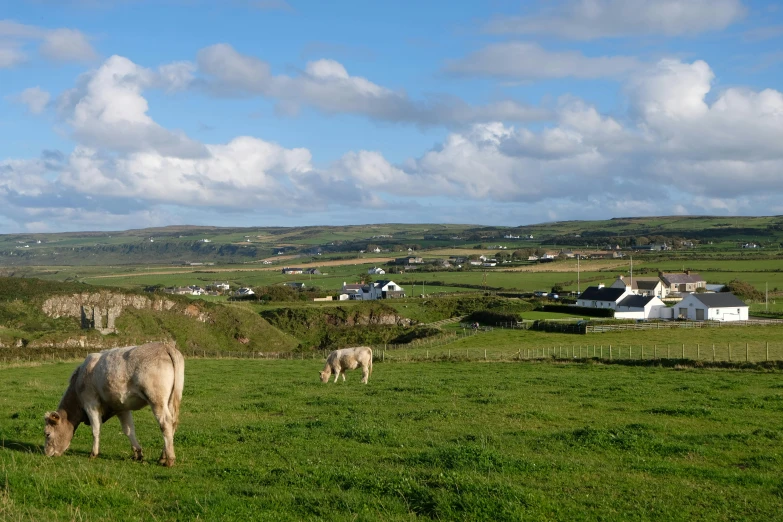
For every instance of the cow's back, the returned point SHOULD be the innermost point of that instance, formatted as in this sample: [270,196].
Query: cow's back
[350,358]
[131,376]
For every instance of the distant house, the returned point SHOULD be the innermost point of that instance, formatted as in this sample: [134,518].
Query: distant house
[646,286]
[682,283]
[376,271]
[205,240]
[221,286]
[602,297]
[652,247]
[641,307]
[723,306]
[292,271]
[243,292]
[196,290]
[410,260]
[389,289]
[312,271]
[369,292]
[295,286]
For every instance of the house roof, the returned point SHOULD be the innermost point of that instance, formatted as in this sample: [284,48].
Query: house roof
[635,301]
[720,300]
[353,287]
[593,293]
[681,279]
[646,284]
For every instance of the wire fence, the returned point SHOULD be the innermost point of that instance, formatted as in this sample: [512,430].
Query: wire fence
[441,350]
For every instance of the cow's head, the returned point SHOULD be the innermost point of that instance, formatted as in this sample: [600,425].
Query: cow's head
[58,432]
[324,376]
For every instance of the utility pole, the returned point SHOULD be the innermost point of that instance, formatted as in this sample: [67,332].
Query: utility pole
[766,297]
[578,290]
[632,273]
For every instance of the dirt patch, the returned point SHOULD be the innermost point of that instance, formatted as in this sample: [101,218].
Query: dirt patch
[335,262]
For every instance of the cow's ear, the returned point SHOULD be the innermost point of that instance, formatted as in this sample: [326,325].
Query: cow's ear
[52,417]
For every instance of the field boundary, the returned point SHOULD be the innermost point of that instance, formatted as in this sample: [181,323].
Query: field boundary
[659,325]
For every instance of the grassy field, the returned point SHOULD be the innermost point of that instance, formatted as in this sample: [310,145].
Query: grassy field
[264,440]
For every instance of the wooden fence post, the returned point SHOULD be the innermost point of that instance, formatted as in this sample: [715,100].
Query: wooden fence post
[610,352]
[668,356]
[729,344]
[683,350]
[746,352]
[698,351]
[713,352]
[655,351]
[767,357]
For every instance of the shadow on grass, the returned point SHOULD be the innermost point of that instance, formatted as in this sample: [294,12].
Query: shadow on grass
[685,363]
[22,447]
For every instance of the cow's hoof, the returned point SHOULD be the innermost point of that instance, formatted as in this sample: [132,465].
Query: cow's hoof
[138,456]
[93,455]
[166,462]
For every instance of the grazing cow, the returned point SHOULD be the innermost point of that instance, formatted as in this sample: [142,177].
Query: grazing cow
[348,359]
[116,382]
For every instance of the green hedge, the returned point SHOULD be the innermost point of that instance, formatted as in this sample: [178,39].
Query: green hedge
[579,310]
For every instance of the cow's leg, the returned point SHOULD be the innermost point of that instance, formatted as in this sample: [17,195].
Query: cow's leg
[95,424]
[166,423]
[343,375]
[365,374]
[337,376]
[126,419]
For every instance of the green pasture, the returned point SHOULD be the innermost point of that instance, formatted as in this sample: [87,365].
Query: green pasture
[265,440]
[696,344]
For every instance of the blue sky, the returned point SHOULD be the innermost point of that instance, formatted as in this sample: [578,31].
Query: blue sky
[131,113]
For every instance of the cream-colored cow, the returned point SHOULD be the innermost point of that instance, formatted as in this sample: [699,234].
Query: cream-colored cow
[116,382]
[348,359]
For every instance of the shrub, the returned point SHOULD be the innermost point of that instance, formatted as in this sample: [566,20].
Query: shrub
[579,310]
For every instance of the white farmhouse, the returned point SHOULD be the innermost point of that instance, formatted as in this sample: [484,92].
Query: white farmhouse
[722,306]
[602,297]
[647,286]
[376,271]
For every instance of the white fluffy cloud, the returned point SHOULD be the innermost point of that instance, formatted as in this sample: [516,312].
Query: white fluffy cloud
[34,98]
[681,148]
[58,45]
[245,171]
[67,45]
[590,19]
[327,86]
[528,61]
[107,110]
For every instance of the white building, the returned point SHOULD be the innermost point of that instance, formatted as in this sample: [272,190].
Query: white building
[647,286]
[723,306]
[641,307]
[376,271]
[244,291]
[602,297]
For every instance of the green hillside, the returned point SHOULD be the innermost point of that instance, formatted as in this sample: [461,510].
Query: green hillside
[194,324]
[188,244]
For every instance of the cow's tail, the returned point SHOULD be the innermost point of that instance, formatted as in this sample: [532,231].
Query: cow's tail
[179,381]
[370,372]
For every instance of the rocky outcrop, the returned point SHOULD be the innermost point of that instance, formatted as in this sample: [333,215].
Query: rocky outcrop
[100,310]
